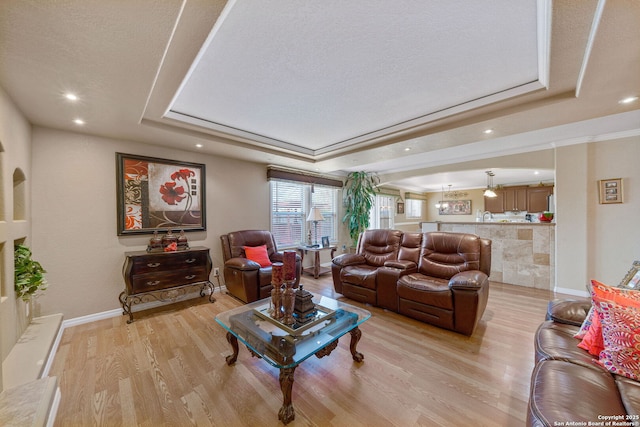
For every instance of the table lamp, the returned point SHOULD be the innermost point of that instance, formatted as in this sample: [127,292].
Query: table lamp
[315,215]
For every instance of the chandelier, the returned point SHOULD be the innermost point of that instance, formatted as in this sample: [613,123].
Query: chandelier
[454,194]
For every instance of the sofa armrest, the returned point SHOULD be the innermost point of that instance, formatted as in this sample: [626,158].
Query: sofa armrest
[471,279]
[348,259]
[570,312]
[242,264]
[401,264]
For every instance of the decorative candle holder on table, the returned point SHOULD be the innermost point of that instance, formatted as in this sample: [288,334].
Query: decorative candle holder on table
[288,296]
[276,292]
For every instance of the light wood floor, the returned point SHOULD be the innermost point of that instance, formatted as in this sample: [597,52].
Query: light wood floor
[168,368]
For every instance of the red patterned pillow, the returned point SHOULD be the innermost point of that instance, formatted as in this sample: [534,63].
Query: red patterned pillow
[586,325]
[592,340]
[619,314]
[258,254]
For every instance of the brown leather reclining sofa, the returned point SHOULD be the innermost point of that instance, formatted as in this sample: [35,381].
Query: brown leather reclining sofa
[439,278]
[567,385]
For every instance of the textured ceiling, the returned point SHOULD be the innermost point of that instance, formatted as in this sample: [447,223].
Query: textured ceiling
[332,86]
[312,77]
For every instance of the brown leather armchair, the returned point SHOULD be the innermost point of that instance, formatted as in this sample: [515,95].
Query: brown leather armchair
[246,279]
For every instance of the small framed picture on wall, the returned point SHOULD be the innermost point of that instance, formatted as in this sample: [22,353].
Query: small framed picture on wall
[400,208]
[610,191]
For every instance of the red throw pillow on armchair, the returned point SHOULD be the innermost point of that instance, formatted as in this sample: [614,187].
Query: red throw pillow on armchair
[258,254]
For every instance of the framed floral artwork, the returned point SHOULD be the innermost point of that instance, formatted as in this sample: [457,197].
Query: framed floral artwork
[159,195]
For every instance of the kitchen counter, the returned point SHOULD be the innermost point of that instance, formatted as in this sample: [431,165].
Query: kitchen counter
[522,253]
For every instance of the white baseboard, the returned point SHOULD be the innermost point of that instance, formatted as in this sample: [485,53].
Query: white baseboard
[573,292]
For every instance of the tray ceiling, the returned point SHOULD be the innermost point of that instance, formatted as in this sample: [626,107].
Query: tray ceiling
[315,77]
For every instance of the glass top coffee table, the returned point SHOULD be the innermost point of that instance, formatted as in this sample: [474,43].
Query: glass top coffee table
[285,347]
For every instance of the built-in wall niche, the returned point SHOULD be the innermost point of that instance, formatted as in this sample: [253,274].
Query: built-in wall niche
[2,218]
[3,282]
[19,195]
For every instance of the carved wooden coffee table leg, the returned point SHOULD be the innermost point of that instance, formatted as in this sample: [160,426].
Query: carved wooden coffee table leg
[355,337]
[286,413]
[231,359]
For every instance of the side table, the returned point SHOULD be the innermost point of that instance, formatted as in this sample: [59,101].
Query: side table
[316,269]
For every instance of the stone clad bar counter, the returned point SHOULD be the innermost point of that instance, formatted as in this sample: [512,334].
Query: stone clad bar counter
[523,253]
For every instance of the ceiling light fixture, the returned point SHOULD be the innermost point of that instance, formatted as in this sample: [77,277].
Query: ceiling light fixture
[407,149]
[454,194]
[628,100]
[198,145]
[489,192]
[488,131]
[79,122]
[71,96]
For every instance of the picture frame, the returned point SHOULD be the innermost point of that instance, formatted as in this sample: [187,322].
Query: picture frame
[325,242]
[455,207]
[610,191]
[632,278]
[159,195]
[400,207]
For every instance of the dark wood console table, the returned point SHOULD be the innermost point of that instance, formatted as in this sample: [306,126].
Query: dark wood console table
[164,276]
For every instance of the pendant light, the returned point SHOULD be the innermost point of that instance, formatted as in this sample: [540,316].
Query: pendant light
[489,192]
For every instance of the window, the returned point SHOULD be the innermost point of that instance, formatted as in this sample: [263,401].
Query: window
[290,205]
[413,208]
[382,212]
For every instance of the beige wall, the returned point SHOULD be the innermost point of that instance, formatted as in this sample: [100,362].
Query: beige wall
[596,241]
[74,214]
[15,153]
[477,202]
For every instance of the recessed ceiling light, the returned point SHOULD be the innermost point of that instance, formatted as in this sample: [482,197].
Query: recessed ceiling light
[628,100]
[79,122]
[488,131]
[536,173]
[71,96]
[199,145]
[407,149]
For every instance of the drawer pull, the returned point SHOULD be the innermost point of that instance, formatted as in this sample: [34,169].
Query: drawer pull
[154,283]
[153,264]
[189,277]
[190,260]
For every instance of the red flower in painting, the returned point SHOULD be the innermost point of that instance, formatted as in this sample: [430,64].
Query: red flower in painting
[182,174]
[171,194]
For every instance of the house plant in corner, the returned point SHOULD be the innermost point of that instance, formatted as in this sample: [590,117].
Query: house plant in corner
[28,274]
[359,198]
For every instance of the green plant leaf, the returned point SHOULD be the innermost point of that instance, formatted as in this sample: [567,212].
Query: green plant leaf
[28,273]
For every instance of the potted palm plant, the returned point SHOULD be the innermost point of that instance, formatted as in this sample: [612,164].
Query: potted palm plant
[359,198]
[28,274]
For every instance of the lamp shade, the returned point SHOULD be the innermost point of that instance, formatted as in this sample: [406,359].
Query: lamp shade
[315,215]
[489,193]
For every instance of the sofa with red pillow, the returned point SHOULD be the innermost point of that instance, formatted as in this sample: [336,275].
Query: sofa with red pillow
[587,356]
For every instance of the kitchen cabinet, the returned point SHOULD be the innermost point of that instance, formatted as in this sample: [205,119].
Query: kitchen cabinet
[538,198]
[515,199]
[519,198]
[495,204]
